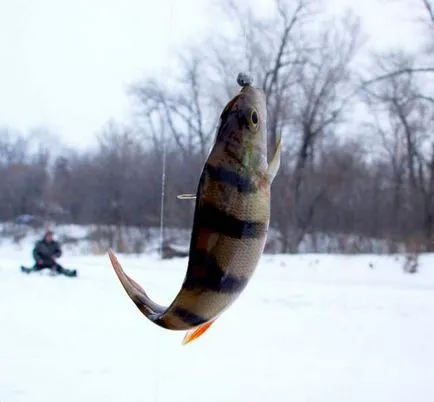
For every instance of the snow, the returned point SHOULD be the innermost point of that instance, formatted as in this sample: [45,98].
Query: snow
[308,328]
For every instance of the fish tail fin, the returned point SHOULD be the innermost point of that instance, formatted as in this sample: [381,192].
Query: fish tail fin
[195,333]
[136,293]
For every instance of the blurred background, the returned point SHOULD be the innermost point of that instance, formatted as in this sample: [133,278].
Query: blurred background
[94,96]
[108,110]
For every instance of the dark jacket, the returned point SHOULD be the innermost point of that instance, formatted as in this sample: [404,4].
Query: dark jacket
[46,251]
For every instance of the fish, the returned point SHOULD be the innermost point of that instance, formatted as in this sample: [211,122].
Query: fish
[230,224]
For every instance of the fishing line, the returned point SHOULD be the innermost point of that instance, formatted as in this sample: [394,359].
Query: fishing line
[162,199]
[247,39]
[163,188]
[163,135]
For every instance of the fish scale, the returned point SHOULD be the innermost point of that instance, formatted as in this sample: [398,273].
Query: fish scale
[230,224]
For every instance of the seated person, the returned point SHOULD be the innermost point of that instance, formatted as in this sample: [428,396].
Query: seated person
[45,254]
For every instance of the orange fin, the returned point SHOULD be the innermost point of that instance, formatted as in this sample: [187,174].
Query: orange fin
[196,332]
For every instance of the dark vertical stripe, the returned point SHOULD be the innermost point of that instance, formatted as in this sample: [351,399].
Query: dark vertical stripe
[215,220]
[189,317]
[231,178]
[205,273]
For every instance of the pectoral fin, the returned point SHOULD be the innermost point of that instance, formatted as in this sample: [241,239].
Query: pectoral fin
[274,164]
[197,332]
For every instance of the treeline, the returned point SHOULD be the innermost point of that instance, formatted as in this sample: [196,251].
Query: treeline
[358,145]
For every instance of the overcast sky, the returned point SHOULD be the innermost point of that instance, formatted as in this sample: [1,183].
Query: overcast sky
[66,64]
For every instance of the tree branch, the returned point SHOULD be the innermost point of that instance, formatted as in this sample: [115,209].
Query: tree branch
[403,71]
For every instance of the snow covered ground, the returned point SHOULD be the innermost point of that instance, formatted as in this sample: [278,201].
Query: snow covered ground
[311,328]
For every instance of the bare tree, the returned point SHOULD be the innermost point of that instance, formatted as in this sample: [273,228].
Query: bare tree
[270,49]
[424,63]
[317,106]
[24,175]
[305,73]
[181,112]
[400,104]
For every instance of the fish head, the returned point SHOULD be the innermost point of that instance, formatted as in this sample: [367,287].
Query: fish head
[242,132]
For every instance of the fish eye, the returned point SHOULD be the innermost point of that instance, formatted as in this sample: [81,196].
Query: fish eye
[254,117]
